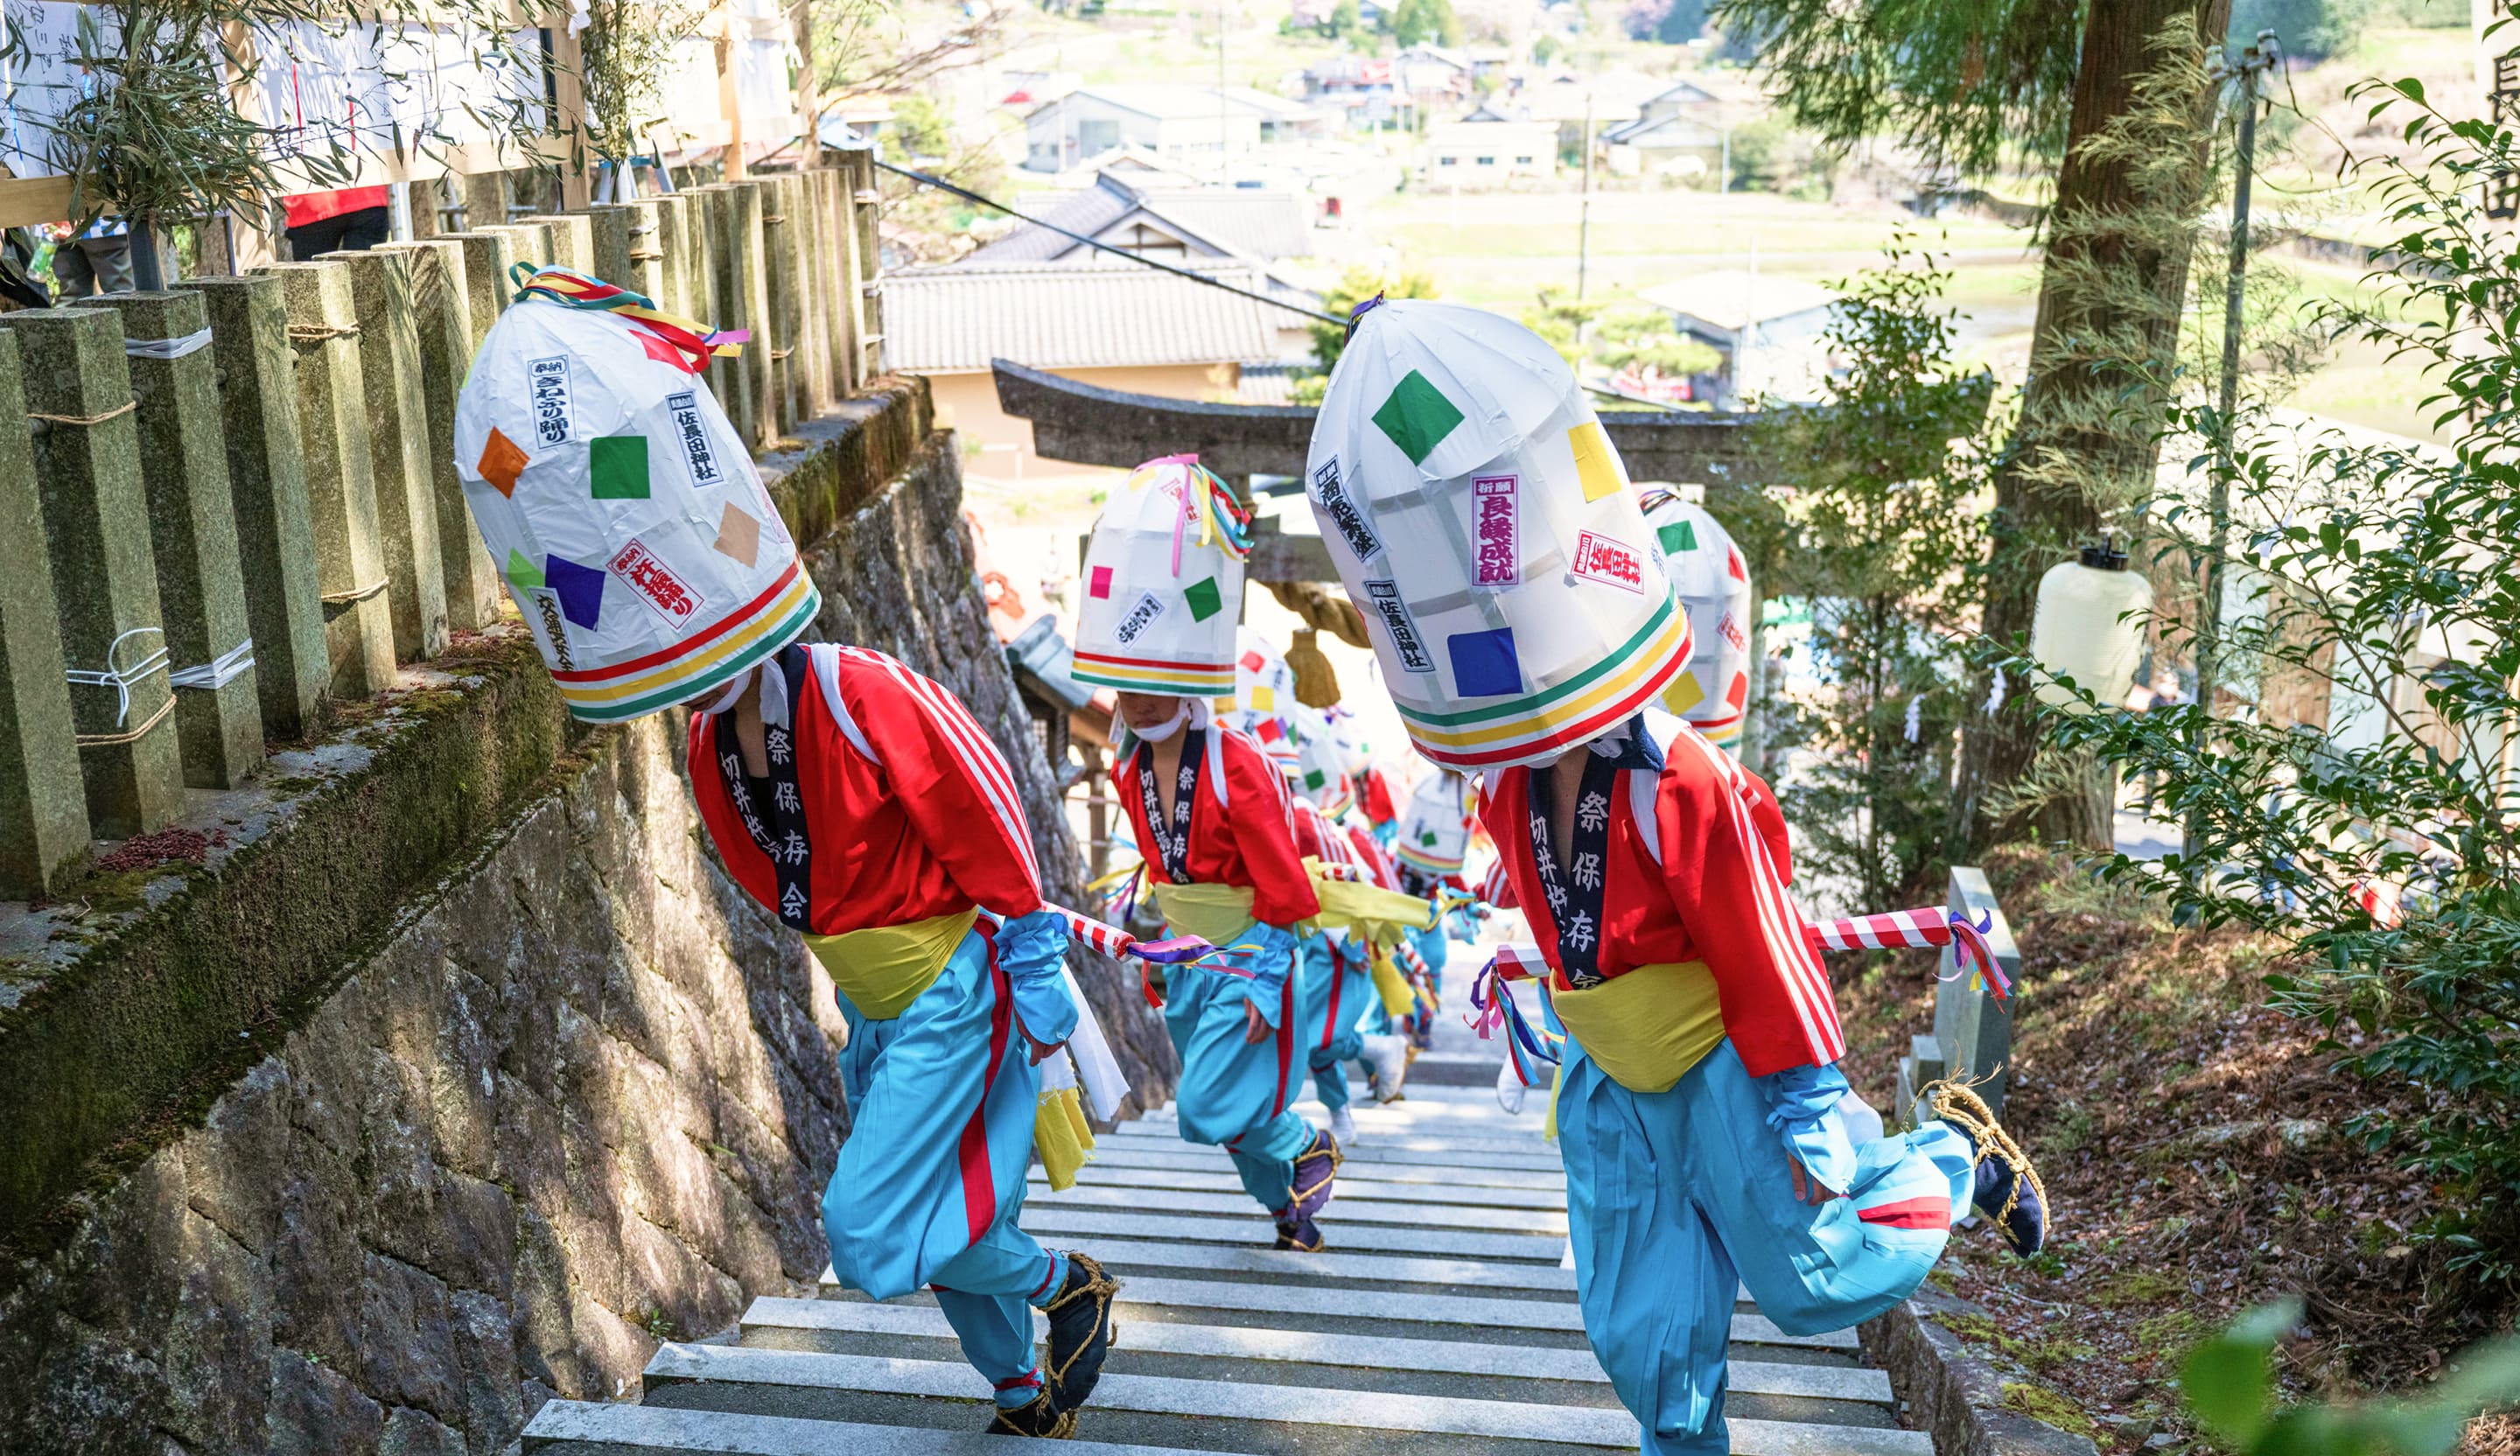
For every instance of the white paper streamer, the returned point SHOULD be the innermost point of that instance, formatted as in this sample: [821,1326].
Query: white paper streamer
[1097,1071]
[1916,717]
[166,348]
[1995,693]
[209,677]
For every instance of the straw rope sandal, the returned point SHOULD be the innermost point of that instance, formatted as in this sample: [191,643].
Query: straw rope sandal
[1082,1332]
[2007,1189]
[1037,1417]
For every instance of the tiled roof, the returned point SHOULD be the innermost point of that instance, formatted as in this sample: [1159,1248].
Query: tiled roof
[1243,221]
[1068,316]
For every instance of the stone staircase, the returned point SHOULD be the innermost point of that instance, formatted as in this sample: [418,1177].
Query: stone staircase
[1441,1320]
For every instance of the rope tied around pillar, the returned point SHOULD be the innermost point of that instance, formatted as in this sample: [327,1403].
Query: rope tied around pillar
[124,408]
[122,678]
[320,332]
[354,594]
[110,740]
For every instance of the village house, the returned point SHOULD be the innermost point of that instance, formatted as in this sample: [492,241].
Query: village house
[1491,147]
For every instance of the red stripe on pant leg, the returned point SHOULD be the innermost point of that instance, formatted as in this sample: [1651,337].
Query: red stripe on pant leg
[1914,1214]
[1286,1042]
[979,1186]
[1338,977]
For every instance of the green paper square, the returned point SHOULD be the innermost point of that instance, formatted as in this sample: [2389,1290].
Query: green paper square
[1426,837]
[522,575]
[1314,778]
[1678,536]
[1205,600]
[1416,417]
[617,467]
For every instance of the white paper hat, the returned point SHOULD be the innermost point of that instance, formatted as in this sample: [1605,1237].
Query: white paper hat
[1321,764]
[621,507]
[1712,583]
[1355,755]
[1435,824]
[1164,584]
[1264,686]
[1484,525]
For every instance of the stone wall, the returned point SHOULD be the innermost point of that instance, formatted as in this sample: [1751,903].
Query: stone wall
[573,1095]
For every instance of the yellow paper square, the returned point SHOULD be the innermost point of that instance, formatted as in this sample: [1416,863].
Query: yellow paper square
[1264,700]
[1595,467]
[1683,692]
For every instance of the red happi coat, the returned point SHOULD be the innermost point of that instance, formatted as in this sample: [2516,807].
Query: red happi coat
[1377,794]
[904,808]
[1377,860]
[1318,836]
[1717,894]
[1241,829]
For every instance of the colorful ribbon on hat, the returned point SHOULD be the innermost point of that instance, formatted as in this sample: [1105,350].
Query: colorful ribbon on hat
[1223,521]
[693,344]
[1923,929]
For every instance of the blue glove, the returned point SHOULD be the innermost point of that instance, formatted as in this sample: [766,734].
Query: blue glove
[1266,955]
[1032,949]
[1799,1103]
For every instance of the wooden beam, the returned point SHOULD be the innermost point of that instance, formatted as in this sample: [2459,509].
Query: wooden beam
[1092,426]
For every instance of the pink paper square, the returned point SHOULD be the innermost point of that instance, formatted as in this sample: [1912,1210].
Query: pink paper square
[1101,586]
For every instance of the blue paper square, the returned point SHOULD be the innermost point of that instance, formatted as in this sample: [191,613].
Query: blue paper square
[580,589]
[1484,665]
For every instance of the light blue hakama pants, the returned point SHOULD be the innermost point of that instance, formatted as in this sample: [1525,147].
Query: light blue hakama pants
[1336,985]
[1674,1196]
[1233,1093]
[931,1180]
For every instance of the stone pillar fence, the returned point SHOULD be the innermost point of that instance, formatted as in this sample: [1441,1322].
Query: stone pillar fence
[229,507]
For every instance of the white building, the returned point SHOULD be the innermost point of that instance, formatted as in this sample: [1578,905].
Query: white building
[1487,148]
[1180,125]
[1771,331]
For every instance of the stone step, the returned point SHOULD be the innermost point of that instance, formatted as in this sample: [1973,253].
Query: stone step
[1467,1143]
[1351,1189]
[1364,1159]
[1372,1411]
[1347,1351]
[1342,1210]
[1284,1265]
[580,1427]
[1426,1309]
[1052,1225]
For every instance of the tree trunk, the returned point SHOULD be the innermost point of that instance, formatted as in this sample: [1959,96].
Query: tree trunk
[2036,522]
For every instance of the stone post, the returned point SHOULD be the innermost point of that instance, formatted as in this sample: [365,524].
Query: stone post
[442,316]
[851,332]
[283,594]
[813,288]
[651,262]
[486,201]
[486,289]
[726,289]
[43,809]
[782,223]
[398,446]
[573,240]
[530,241]
[867,305]
[751,277]
[104,579]
[340,476]
[193,535]
[611,223]
[688,214]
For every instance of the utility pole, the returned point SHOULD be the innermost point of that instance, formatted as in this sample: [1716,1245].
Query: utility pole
[2254,61]
[1584,213]
[1223,176]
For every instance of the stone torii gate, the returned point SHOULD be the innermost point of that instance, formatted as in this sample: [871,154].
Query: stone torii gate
[1091,425]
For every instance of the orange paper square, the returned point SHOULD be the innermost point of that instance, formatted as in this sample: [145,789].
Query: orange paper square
[500,460]
[738,536]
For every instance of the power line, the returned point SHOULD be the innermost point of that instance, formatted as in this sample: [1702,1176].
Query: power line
[969,196]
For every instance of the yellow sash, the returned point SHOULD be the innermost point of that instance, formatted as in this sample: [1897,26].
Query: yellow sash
[1214,913]
[883,969]
[1649,1028]
[1062,1137]
[1399,998]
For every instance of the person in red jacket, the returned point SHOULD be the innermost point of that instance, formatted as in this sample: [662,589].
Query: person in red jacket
[1213,813]
[861,803]
[350,219]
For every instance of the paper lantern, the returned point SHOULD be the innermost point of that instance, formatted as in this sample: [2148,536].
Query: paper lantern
[1435,826]
[1481,519]
[1711,581]
[1164,584]
[2083,628]
[622,505]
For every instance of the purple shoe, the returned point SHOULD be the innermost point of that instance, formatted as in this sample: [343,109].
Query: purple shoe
[1314,1169]
[1296,1231]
